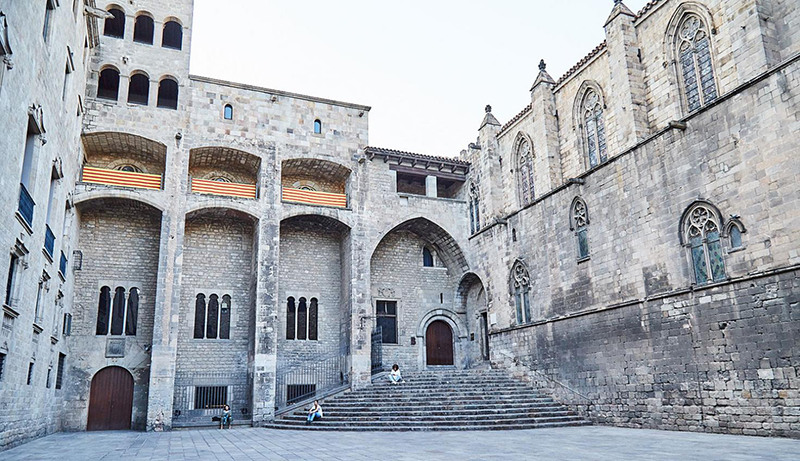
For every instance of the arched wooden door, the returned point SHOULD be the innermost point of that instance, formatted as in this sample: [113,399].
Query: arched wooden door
[110,400]
[439,343]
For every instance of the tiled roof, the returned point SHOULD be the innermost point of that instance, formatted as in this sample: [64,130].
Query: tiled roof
[514,119]
[583,61]
[400,153]
[647,7]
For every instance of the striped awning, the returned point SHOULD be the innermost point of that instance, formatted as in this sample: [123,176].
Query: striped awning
[121,178]
[314,197]
[230,189]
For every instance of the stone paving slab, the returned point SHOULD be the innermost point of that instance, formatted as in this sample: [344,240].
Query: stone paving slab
[578,443]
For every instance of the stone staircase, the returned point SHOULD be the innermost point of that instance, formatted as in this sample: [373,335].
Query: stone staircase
[438,400]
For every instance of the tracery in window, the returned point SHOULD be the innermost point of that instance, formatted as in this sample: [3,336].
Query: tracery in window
[594,128]
[521,287]
[524,170]
[701,229]
[579,222]
[696,68]
[474,209]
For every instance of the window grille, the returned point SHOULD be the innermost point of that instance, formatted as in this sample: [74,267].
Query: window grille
[386,318]
[206,397]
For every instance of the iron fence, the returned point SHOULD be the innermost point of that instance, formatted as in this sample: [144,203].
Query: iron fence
[302,381]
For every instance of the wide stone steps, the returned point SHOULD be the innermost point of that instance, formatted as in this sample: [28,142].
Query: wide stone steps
[439,400]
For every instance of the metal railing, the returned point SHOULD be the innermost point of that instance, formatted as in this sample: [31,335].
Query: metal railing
[377,350]
[228,189]
[26,204]
[49,240]
[304,381]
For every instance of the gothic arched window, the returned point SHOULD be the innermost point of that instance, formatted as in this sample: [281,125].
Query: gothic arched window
[594,128]
[474,209]
[524,170]
[694,62]
[701,235]
[579,222]
[427,257]
[521,287]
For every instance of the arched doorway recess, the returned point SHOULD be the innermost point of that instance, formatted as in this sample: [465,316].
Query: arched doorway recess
[439,343]
[110,400]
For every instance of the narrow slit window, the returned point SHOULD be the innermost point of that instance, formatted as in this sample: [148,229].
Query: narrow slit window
[132,312]
[312,319]
[103,311]
[225,318]
[212,317]
[200,316]
[302,319]
[317,126]
[291,317]
[228,112]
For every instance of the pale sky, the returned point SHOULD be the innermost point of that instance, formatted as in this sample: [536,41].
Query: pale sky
[427,68]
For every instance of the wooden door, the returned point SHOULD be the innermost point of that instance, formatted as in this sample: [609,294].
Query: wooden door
[439,343]
[110,400]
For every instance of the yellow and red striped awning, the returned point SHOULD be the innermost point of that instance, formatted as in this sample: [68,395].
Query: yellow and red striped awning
[314,197]
[121,178]
[230,189]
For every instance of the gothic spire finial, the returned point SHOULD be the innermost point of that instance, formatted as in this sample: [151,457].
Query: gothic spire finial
[488,108]
[542,65]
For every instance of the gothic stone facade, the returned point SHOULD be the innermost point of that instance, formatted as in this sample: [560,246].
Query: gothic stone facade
[175,242]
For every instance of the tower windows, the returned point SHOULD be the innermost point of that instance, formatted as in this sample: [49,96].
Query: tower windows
[317,126]
[524,165]
[212,319]
[579,222]
[521,287]
[227,113]
[172,35]
[302,318]
[694,61]
[108,85]
[594,130]
[139,89]
[168,93]
[701,236]
[117,316]
[143,29]
[115,27]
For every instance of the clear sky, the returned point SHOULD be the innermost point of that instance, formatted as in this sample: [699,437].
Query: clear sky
[427,68]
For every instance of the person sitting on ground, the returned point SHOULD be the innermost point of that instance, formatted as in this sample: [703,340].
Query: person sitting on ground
[226,418]
[395,376]
[314,412]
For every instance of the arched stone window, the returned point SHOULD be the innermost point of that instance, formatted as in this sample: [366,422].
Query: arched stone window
[172,35]
[108,85]
[695,65]
[168,93]
[317,126]
[427,257]
[227,112]
[594,128]
[734,230]
[291,316]
[312,319]
[521,287]
[701,224]
[302,318]
[143,29]
[524,155]
[212,319]
[474,209]
[139,89]
[579,222]
[115,27]
[116,312]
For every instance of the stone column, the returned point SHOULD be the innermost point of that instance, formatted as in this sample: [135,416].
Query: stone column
[626,98]
[431,186]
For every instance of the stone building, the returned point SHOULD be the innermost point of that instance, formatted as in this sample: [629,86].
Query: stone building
[627,241]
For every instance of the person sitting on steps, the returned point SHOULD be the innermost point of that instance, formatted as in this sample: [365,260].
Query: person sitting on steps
[226,418]
[314,412]
[395,376]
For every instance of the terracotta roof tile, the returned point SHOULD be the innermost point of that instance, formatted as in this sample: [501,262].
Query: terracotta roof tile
[580,63]
[433,158]
[514,119]
[647,7]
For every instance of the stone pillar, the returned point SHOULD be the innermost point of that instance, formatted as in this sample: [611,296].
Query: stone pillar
[490,182]
[362,315]
[626,98]
[266,329]
[431,186]
[167,306]
[546,149]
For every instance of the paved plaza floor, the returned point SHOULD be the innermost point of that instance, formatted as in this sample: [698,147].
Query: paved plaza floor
[577,443]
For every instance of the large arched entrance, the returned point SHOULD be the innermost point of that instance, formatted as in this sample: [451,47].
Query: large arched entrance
[110,400]
[439,343]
